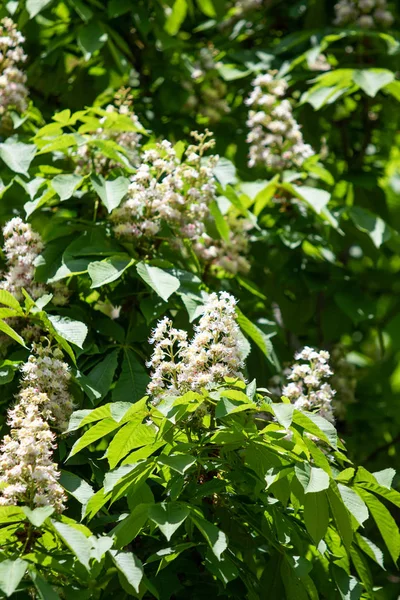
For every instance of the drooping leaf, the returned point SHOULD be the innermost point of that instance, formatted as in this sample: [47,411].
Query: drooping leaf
[129,565]
[17,156]
[11,573]
[168,516]
[111,192]
[76,541]
[163,283]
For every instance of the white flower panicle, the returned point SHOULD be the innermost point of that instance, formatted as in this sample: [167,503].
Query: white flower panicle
[22,246]
[46,372]
[207,91]
[13,91]
[167,190]
[213,353]
[275,137]
[28,474]
[367,14]
[90,158]
[308,390]
[229,255]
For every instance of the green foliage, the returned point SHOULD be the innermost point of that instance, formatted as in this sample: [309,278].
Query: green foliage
[229,491]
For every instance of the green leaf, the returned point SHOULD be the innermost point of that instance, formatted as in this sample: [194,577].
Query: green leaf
[370,549]
[317,426]
[9,300]
[76,541]
[316,515]
[179,462]
[133,381]
[129,528]
[38,516]
[348,586]
[129,565]
[340,515]
[108,270]
[134,434]
[354,503]
[34,7]
[318,481]
[17,156]
[315,198]
[44,589]
[372,80]
[385,522]
[11,573]
[163,283]
[220,222]
[76,487]
[176,18]
[283,413]
[168,516]
[65,185]
[5,328]
[93,434]
[254,333]
[385,477]
[91,37]
[207,7]
[101,376]
[69,329]
[378,231]
[216,538]
[225,172]
[110,192]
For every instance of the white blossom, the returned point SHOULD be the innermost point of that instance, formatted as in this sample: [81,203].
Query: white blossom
[46,371]
[90,158]
[22,246]
[179,365]
[275,139]
[13,91]
[308,390]
[366,14]
[28,474]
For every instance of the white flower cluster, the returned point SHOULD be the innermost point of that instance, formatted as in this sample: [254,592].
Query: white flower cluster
[367,14]
[275,137]
[207,90]
[90,158]
[307,390]
[320,63]
[179,365]
[47,372]
[13,91]
[167,190]
[28,474]
[22,246]
[229,255]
